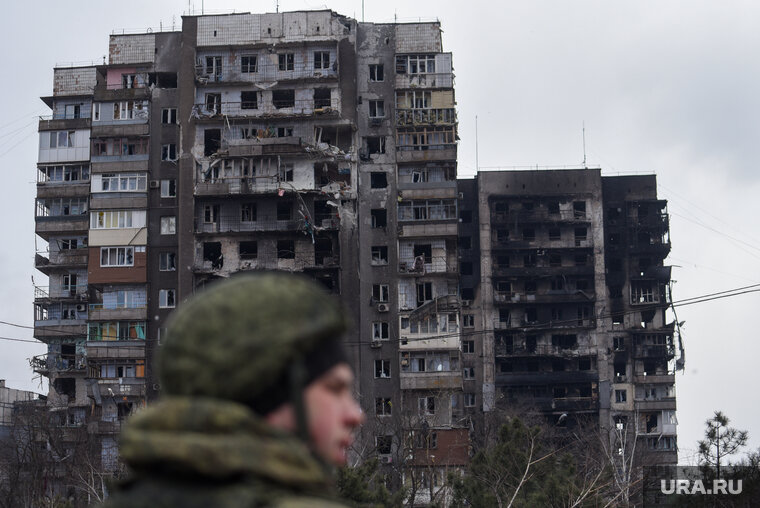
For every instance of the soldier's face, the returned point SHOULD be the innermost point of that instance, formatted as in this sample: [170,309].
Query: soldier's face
[333,413]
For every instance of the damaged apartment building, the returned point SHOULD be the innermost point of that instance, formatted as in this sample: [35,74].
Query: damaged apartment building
[572,303]
[313,143]
[301,141]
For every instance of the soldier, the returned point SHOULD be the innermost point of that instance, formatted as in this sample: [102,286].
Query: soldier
[257,401]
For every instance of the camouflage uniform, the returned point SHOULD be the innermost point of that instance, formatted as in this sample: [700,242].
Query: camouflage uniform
[228,350]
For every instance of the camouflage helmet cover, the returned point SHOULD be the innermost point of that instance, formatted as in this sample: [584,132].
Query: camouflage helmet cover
[236,339]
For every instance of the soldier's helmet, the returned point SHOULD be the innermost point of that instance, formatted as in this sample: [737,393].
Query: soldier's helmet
[239,338]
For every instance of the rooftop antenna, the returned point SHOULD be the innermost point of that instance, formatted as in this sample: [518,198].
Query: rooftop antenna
[362,11]
[277,7]
[584,145]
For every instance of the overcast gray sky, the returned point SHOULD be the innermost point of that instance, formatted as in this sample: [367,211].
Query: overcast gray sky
[665,87]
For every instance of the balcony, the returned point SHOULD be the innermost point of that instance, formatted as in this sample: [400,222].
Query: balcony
[431,80]
[120,387]
[504,350]
[76,225]
[658,378]
[76,292]
[525,272]
[504,297]
[424,153]
[59,363]
[665,404]
[432,265]
[301,108]
[413,229]
[55,123]
[99,313]
[56,328]
[233,224]
[431,380]
[539,215]
[75,258]
[410,117]
[545,378]
[655,351]
[514,323]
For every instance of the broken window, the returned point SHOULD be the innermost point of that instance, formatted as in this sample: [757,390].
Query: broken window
[380,330]
[168,188]
[380,255]
[565,341]
[580,236]
[383,407]
[283,98]
[423,251]
[214,103]
[558,365]
[116,256]
[468,346]
[380,293]
[505,316]
[375,144]
[166,298]
[210,214]
[579,209]
[469,400]
[584,315]
[555,259]
[248,249]
[286,61]
[248,212]
[212,251]
[621,396]
[559,392]
[248,64]
[376,109]
[415,64]
[618,343]
[426,405]
[249,100]
[169,115]
[465,268]
[531,343]
[167,261]
[502,261]
[322,98]
[580,259]
[383,444]
[284,210]
[555,234]
[321,60]
[382,369]
[424,292]
[378,180]
[286,173]
[129,80]
[213,67]
[584,363]
[553,207]
[62,139]
[617,317]
[212,139]
[286,249]
[285,132]
[529,260]
[169,152]
[529,234]
[379,217]
[502,235]
[376,72]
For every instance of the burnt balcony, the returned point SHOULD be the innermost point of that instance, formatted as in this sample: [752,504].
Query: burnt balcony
[576,296]
[234,224]
[539,216]
[59,363]
[541,271]
[521,323]
[545,378]
[664,404]
[506,350]
[655,351]
[117,387]
[445,380]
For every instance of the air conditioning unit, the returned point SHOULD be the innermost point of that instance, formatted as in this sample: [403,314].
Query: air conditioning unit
[382,307]
[461,195]
[375,343]
[154,184]
[81,307]
[466,303]
[156,386]
[386,459]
